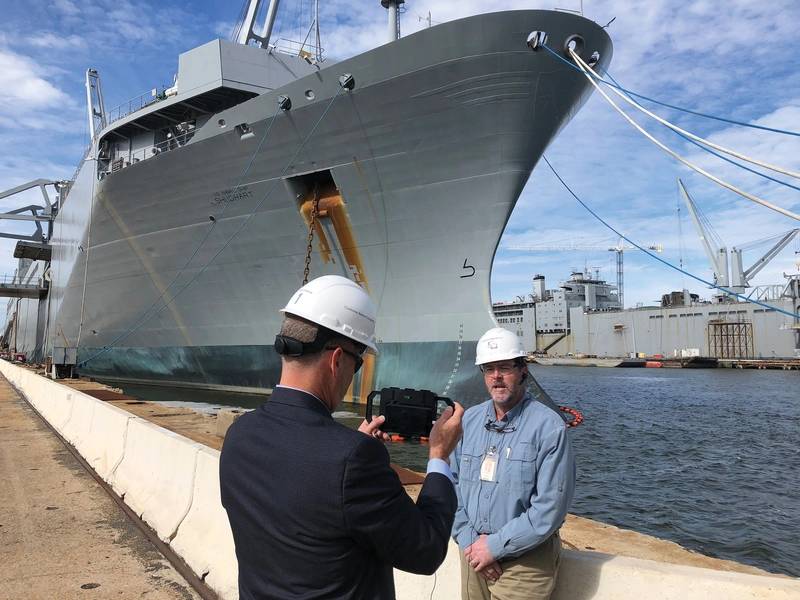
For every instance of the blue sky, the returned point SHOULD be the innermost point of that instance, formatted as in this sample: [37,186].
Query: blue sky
[730,59]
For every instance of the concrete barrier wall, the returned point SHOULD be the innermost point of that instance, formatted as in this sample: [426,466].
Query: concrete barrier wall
[53,401]
[76,428]
[24,379]
[156,475]
[173,484]
[444,585]
[595,576]
[204,538]
[104,445]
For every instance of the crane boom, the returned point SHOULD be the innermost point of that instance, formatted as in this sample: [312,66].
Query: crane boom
[770,254]
[718,257]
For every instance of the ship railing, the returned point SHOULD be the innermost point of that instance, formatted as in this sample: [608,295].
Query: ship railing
[128,159]
[21,282]
[301,49]
[137,103]
[767,292]
[80,162]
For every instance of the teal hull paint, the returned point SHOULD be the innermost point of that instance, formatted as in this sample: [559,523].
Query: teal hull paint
[420,365]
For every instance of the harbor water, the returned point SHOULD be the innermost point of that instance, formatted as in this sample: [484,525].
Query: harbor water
[709,459]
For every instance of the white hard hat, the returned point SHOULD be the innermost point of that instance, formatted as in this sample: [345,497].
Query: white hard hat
[338,304]
[498,344]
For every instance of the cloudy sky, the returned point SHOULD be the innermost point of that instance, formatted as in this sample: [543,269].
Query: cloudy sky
[729,59]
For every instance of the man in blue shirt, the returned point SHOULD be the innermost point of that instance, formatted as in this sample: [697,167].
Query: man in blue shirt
[516,477]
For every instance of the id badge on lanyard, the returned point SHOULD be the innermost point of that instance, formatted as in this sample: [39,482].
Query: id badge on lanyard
[489,465]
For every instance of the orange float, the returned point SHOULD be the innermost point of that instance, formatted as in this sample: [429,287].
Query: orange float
[577,416]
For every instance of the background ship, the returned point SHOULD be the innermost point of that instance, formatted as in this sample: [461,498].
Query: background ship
[184,229]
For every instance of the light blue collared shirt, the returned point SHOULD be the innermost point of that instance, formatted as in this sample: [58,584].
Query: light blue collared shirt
[437,465]
[534,479]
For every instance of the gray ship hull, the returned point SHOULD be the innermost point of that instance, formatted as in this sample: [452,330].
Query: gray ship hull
[429,154]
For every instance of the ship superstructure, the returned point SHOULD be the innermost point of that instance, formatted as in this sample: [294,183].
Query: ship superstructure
[186,226]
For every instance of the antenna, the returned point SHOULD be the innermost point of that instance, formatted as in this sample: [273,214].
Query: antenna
[429,20]
[319,38]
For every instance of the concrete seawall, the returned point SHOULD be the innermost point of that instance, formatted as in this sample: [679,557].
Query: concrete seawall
[171,482]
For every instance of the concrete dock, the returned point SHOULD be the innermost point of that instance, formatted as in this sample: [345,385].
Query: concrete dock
[578,533]
[61,535]
[64,534]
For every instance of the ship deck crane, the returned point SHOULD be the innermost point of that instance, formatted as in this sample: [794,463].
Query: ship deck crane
[619,249]
[734,276]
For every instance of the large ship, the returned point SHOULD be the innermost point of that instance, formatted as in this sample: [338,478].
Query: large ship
[195,213]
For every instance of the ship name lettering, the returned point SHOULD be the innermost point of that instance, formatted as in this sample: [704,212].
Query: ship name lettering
[232,195]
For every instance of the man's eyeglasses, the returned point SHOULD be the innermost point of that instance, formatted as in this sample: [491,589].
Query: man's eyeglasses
[356,357]
[500,369]
[497,428]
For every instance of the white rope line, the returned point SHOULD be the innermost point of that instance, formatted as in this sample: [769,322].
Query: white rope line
[680,159]
[688,134]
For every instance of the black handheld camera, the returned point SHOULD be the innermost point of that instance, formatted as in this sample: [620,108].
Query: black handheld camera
[409,413]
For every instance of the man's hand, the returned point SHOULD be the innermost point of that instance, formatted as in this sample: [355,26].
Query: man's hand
[478,555]
[492,572]
[373,429]
[446,432]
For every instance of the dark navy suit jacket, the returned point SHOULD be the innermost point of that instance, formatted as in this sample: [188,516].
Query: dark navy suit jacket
[316,510]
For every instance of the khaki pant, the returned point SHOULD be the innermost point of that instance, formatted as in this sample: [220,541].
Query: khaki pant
[531,576]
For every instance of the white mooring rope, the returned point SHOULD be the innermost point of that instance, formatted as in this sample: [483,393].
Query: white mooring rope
[688,134]
[678,157]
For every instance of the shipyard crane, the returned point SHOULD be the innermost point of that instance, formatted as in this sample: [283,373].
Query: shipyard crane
[733,277]
[619,249]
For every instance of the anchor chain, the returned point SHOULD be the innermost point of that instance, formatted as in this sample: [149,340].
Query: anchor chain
[311,225]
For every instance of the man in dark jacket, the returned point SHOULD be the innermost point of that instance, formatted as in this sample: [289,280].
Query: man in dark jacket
[315,508]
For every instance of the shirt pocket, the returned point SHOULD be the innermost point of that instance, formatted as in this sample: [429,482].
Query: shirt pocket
[521,467]
[469,466]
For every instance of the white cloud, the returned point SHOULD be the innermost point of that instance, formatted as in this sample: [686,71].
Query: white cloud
[773,148]
[66,7]
[54,41]
[223,29]
[22,87]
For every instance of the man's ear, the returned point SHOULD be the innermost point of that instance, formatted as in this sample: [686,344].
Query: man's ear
[335,360]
